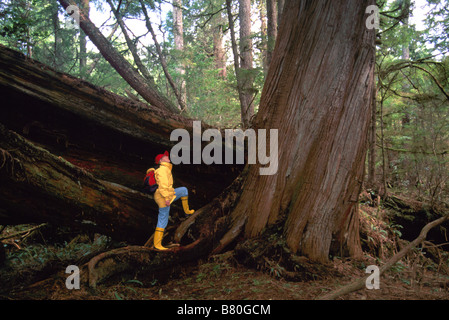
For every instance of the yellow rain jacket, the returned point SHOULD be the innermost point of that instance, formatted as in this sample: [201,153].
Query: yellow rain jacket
[164,179]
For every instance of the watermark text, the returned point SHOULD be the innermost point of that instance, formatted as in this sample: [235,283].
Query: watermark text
[212,153]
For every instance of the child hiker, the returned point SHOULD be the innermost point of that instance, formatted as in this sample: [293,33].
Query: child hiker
[165,195]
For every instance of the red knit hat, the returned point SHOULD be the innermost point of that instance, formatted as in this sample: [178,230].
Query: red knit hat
[159,157]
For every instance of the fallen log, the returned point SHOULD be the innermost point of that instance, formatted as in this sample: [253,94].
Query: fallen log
[36,186]
[108,141]
[34,91]
[110,136]
[413,214]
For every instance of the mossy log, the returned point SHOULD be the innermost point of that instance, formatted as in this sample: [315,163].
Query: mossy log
[113,137]
[37,186]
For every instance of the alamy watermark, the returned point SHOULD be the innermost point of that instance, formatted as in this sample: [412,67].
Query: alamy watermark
[373,21]
[73,21]
[213,152]
[373,281]
[72,281]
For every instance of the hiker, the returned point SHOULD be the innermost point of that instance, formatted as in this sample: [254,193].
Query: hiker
[165,195]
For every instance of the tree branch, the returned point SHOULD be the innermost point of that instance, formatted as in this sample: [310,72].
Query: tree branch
[162,58]
[121,65]
[360,283]
[20,233]
[132,47]
[433,78]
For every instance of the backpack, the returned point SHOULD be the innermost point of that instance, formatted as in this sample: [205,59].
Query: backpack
[149,182]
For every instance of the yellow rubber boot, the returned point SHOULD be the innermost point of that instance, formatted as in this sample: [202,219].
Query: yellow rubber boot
[185,205]
[158,239]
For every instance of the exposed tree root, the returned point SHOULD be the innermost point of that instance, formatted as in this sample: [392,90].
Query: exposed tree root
[270,253]
[8,163]
[140,259]
[203,230]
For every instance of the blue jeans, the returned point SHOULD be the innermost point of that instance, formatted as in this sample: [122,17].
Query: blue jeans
[164,213]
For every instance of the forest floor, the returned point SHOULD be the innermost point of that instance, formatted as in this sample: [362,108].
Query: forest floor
[422,275]
[221,278]
[220,281]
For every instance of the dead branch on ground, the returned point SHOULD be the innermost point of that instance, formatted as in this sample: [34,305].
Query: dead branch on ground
[360,283]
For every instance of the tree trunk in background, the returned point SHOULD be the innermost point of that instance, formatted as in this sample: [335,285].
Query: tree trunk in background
[55,20]
[181,105]
[280,9]
[84,7]
[178,34]
[272,17]
[263,45]
[131,45]
[406,52]
[219,52]
[150,93]
[246,63]
[372,144]
[318,95]
[406,16]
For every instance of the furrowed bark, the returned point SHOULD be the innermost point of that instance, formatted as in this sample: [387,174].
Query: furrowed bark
[321,110]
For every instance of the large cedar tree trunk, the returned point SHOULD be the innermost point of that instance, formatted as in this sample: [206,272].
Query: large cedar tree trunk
[318,95]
